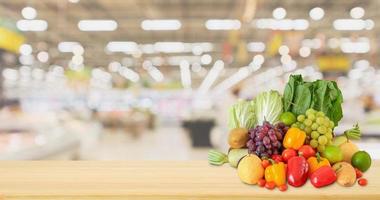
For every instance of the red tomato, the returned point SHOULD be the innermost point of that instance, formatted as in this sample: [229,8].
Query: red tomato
[283,188]
[362,182]
[261,182]
[306,151]
[277,158]
[358,173]
[270,185]
[265,163]
[288,153]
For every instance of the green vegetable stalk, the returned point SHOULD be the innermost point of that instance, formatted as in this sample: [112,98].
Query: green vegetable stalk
[353,133]
[217,158]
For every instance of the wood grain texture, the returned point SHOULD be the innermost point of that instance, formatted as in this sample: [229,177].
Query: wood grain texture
[84,180]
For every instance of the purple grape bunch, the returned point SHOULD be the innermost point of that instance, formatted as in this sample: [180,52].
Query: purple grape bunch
[266,140]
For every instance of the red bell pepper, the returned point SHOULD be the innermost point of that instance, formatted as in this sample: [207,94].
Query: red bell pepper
[323,176]
[297,172]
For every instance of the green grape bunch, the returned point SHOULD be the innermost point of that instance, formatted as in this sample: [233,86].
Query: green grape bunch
[318,128]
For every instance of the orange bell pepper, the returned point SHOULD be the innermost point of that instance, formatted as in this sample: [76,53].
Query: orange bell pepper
[294,138]
[316,163]
[276,173]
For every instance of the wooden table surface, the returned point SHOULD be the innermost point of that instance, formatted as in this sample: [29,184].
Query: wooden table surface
[154,180]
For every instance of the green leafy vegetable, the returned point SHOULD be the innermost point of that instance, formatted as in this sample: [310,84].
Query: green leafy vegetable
[268,107]
[321,95]
[241,115]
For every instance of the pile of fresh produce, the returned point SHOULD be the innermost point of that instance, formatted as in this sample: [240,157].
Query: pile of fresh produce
[278,140]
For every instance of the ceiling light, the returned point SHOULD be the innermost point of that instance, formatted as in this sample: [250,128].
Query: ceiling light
[282,24]
[256,46]
[279,13]
[32,25]
[25,49]
[26,59]
[73,1]
[352,24]
[77,59]
[316,13]
[369,24]
[185,74]
[304,52]
[29,13]
[43,56]
[283,50]
[126,47]
[68,47]
[211,77]
[206,59]
[97,25]
[78,50]
[169,47]
[357,12]
[197,50]
[153,71]
[114,66]
[161,25]
[235,78]
[360,46]
[223,24]
[196,67]
[258,60]
[129,74]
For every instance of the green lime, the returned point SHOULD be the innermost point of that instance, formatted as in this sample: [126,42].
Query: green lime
[361,160]
[288,118]
[332,153]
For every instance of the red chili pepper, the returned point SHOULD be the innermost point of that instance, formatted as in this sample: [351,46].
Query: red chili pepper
[297,171]
[323,176]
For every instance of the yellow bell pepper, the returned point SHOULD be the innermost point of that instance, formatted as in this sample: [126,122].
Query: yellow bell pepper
[316,163]
[276,173]
[294,138]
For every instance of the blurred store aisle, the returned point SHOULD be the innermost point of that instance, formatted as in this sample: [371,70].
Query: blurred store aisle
[165,143]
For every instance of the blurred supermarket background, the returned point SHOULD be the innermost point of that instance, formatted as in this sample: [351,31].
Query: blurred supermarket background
[153,79]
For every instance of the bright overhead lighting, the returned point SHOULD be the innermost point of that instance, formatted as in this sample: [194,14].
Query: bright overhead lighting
[161,25]
[256,46]
[43,56]
[357,12]
[206,59]
[29,13]
[114,66]
[73,1]
[316,13]
[32,25]
[169,47]
[235,78]
[25,49]
[279,13]
[153,71]
[223,24]
[353,24]
[185,74]
[69,47]
[126,47]
[97,25]
[282,24]
[211,77]
[362,45]
[129,74]
[304,52]
[196,67]
[283,50]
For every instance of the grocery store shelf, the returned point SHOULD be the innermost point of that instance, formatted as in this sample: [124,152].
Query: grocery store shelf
[154,180]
